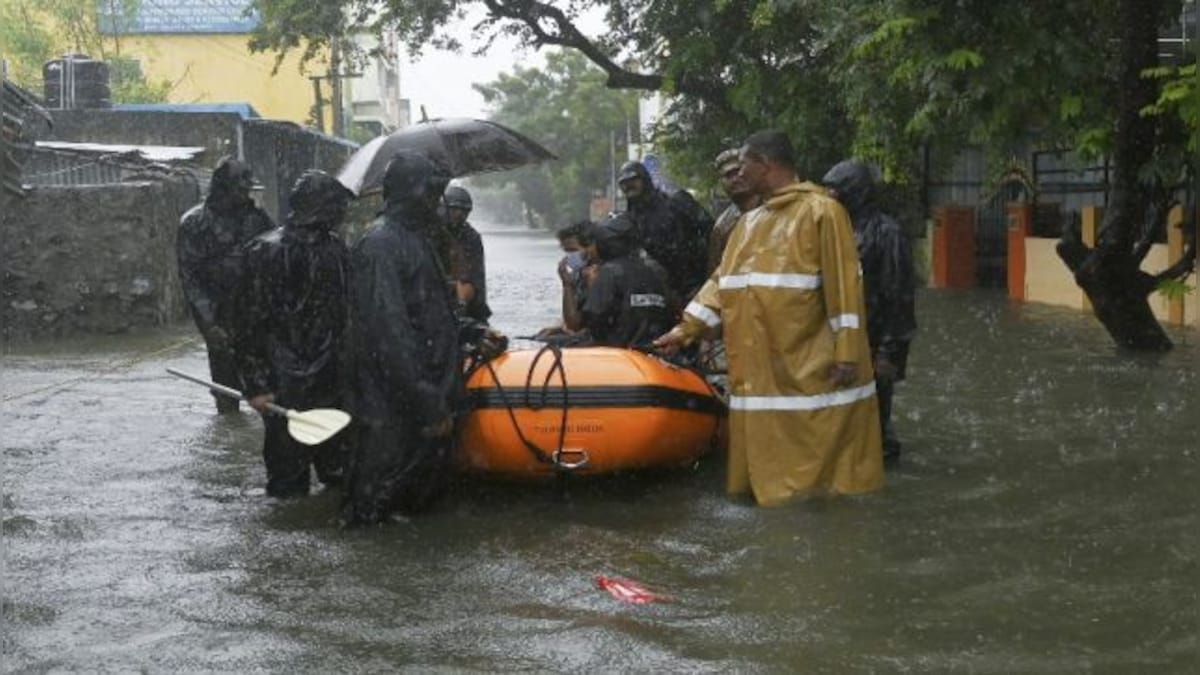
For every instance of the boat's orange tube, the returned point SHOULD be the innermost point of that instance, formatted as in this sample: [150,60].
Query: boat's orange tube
[584,410]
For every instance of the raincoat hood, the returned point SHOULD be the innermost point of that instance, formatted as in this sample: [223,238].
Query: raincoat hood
[318,200]
[615,236]
[631,170]
[853,182]
[229,189]
[413,185]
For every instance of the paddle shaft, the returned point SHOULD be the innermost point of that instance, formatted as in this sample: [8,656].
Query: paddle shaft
[226,391]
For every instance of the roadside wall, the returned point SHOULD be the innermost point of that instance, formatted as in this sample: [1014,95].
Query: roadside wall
[91,259]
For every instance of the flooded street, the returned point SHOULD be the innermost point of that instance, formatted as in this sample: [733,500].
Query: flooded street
[1045,518]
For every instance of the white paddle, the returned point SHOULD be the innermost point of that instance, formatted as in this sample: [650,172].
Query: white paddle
[310,427]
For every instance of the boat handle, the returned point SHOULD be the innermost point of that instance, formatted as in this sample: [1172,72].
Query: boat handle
[565,465]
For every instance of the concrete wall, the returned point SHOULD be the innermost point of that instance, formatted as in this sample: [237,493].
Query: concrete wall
[279,153]
[1047,278]
[91,259]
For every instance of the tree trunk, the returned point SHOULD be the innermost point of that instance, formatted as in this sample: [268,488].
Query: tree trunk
[1109,273]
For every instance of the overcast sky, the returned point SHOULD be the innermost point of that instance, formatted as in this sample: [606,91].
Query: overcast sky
[441,81]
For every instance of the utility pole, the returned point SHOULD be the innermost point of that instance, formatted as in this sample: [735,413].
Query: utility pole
[335,80]
[318,102]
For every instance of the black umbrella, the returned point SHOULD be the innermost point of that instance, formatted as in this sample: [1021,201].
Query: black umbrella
[462,146]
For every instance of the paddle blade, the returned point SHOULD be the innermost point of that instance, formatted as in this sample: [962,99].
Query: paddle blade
[313,427]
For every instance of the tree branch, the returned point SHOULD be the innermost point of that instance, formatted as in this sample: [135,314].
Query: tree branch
[550,25]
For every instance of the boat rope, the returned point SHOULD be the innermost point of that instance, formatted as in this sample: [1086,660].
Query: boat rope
[557,365]
[123,365]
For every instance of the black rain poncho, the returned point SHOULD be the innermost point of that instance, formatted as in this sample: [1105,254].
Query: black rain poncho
[628,303]
[674,230]
[887,263]
[406,350]
[209,248]
[291,324]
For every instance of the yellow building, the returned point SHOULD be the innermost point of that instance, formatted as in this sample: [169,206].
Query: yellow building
[201,48]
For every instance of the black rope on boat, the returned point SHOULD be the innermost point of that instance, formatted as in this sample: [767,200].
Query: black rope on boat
[539,453]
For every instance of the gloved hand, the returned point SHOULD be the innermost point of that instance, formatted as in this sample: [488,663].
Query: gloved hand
[491,344]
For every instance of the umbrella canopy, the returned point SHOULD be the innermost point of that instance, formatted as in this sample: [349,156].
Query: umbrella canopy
[463,146]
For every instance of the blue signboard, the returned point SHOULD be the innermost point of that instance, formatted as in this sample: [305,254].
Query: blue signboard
[178,16]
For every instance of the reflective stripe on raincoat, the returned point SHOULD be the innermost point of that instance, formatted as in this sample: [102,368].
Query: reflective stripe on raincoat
[788,296]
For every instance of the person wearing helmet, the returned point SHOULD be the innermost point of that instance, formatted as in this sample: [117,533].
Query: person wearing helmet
[674,228]
[888,284]
[466,261]
[290,328]
[209,249]
[405,344]
[627,303]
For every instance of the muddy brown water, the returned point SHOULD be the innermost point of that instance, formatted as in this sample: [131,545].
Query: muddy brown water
[1044,519]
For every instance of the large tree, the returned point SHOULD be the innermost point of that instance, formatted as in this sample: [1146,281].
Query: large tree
[1074,73]
[565,106]
[887,78]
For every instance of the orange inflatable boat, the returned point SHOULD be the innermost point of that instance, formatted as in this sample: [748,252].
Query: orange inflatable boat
[584,410]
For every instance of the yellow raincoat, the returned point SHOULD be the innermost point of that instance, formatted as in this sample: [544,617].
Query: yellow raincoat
[788,296]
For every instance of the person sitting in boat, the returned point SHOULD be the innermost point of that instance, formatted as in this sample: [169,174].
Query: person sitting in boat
[576,271]
[628,300]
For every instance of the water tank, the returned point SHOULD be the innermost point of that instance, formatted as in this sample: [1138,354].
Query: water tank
[76,81]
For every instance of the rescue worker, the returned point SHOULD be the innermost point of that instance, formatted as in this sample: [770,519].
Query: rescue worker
[407,358]
[627,303]
[467,269]
[209,248]
[673,228]
[787,294]
[741,197]
[888,282]
[291,324]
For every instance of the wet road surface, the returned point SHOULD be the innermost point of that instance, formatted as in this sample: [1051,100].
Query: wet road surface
[1044,519]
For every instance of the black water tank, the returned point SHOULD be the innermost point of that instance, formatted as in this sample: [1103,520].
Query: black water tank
[76,81]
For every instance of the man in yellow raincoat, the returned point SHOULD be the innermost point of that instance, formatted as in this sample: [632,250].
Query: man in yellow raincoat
[803,417]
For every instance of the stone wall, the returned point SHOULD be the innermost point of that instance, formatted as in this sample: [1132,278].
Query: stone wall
[92,259]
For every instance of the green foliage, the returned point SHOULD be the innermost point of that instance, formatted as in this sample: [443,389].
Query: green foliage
[1174,289]
[566,107]
[33,32]
[1180,95]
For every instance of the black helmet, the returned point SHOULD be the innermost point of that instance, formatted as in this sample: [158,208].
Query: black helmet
[615,236]
[318,198]
[631,170]
[458,198]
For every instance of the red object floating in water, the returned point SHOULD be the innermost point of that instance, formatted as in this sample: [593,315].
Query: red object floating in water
[627,590]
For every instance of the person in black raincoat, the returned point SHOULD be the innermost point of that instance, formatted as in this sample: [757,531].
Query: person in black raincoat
[628,302]
[741,197]
[467,269]
[888,285]
[406,349]
[290,328]
[209,247]
[674,228]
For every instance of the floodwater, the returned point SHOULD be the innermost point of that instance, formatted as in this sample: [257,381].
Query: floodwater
[1045,519]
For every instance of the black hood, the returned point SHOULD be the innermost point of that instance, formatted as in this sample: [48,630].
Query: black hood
[413,185]
[318,200]
[229,189]
[631,170]
[615,236]
[854,184]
